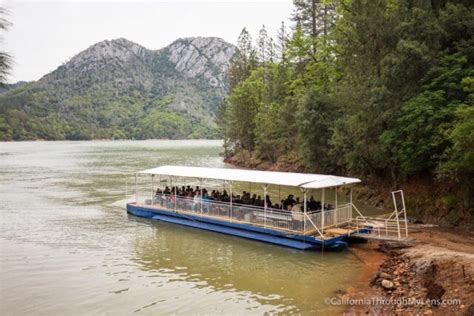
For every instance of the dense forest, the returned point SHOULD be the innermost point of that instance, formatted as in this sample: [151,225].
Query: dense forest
[381,89]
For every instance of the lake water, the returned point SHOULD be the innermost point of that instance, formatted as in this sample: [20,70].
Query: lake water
[67,248]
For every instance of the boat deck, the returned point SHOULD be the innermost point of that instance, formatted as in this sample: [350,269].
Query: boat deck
[286,223]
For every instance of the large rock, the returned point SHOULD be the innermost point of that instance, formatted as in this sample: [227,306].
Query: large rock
[388,285]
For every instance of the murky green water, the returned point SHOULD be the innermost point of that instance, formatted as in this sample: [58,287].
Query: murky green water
[66,249]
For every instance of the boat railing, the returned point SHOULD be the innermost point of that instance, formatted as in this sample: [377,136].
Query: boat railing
[333,217]
[295,222]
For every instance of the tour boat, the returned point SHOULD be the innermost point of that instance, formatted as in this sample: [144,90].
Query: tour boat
[329,226]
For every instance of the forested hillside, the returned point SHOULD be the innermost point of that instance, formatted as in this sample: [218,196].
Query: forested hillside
[119,89]
[380,89]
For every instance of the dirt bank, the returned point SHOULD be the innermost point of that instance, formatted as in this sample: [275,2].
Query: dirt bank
[433,274]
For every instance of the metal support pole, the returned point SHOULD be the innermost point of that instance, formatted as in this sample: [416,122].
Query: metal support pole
[394,196]
[136,198]
[200,189]
[304,211]
[405,214]
[265,204]
[322,212]
[175,200]
[230,187]
[398,225]
[152,192]
[335,205]
[352,207]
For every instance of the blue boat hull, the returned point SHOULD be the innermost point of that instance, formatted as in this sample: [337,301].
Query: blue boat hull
[237,229]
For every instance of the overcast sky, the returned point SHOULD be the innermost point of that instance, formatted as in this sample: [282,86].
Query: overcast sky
[44,34]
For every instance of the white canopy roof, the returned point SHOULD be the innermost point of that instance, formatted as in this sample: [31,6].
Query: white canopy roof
[305,180]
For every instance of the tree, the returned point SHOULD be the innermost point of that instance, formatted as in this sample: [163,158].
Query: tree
[244,59]
[316,18]
[262,45]
[5,58]
[282,38]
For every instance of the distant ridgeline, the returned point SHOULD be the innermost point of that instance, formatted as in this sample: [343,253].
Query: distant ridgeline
[119,89]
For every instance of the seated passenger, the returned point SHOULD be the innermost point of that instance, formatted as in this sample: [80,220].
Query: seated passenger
[238,200]
[253,199]
[298,207]
[312,203]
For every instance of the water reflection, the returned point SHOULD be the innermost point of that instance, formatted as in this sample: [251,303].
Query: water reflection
[288,279]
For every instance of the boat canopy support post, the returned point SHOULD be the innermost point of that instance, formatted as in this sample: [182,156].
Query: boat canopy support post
[200,192]
[230,188]
[350,200]
[265,187]
[304,211]
[152,192]
[322,211]
[335,205]
[136,198]
[175,200]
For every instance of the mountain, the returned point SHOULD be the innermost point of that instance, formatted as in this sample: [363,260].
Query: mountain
[119,89]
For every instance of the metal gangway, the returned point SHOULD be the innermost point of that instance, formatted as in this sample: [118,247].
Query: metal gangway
[390,227]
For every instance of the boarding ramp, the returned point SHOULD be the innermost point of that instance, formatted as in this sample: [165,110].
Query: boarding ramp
[390,227]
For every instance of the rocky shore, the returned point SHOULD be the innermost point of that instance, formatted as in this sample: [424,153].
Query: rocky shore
[432,274]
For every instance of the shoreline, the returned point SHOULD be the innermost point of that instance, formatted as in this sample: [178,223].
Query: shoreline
[432,274]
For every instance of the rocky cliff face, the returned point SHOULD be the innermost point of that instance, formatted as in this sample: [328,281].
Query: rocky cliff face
[202,56]
[118,88]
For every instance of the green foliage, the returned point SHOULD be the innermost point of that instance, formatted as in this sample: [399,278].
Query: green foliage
[25,116]
[5,58]
[381,88]
[421,138]
[460,156]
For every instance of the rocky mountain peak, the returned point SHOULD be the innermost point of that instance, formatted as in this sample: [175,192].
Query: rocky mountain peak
[205,57]
[119,49]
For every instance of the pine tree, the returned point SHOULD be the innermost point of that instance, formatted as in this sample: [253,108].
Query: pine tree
[282,39]
[5,58]
[262,43]
[243,61]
